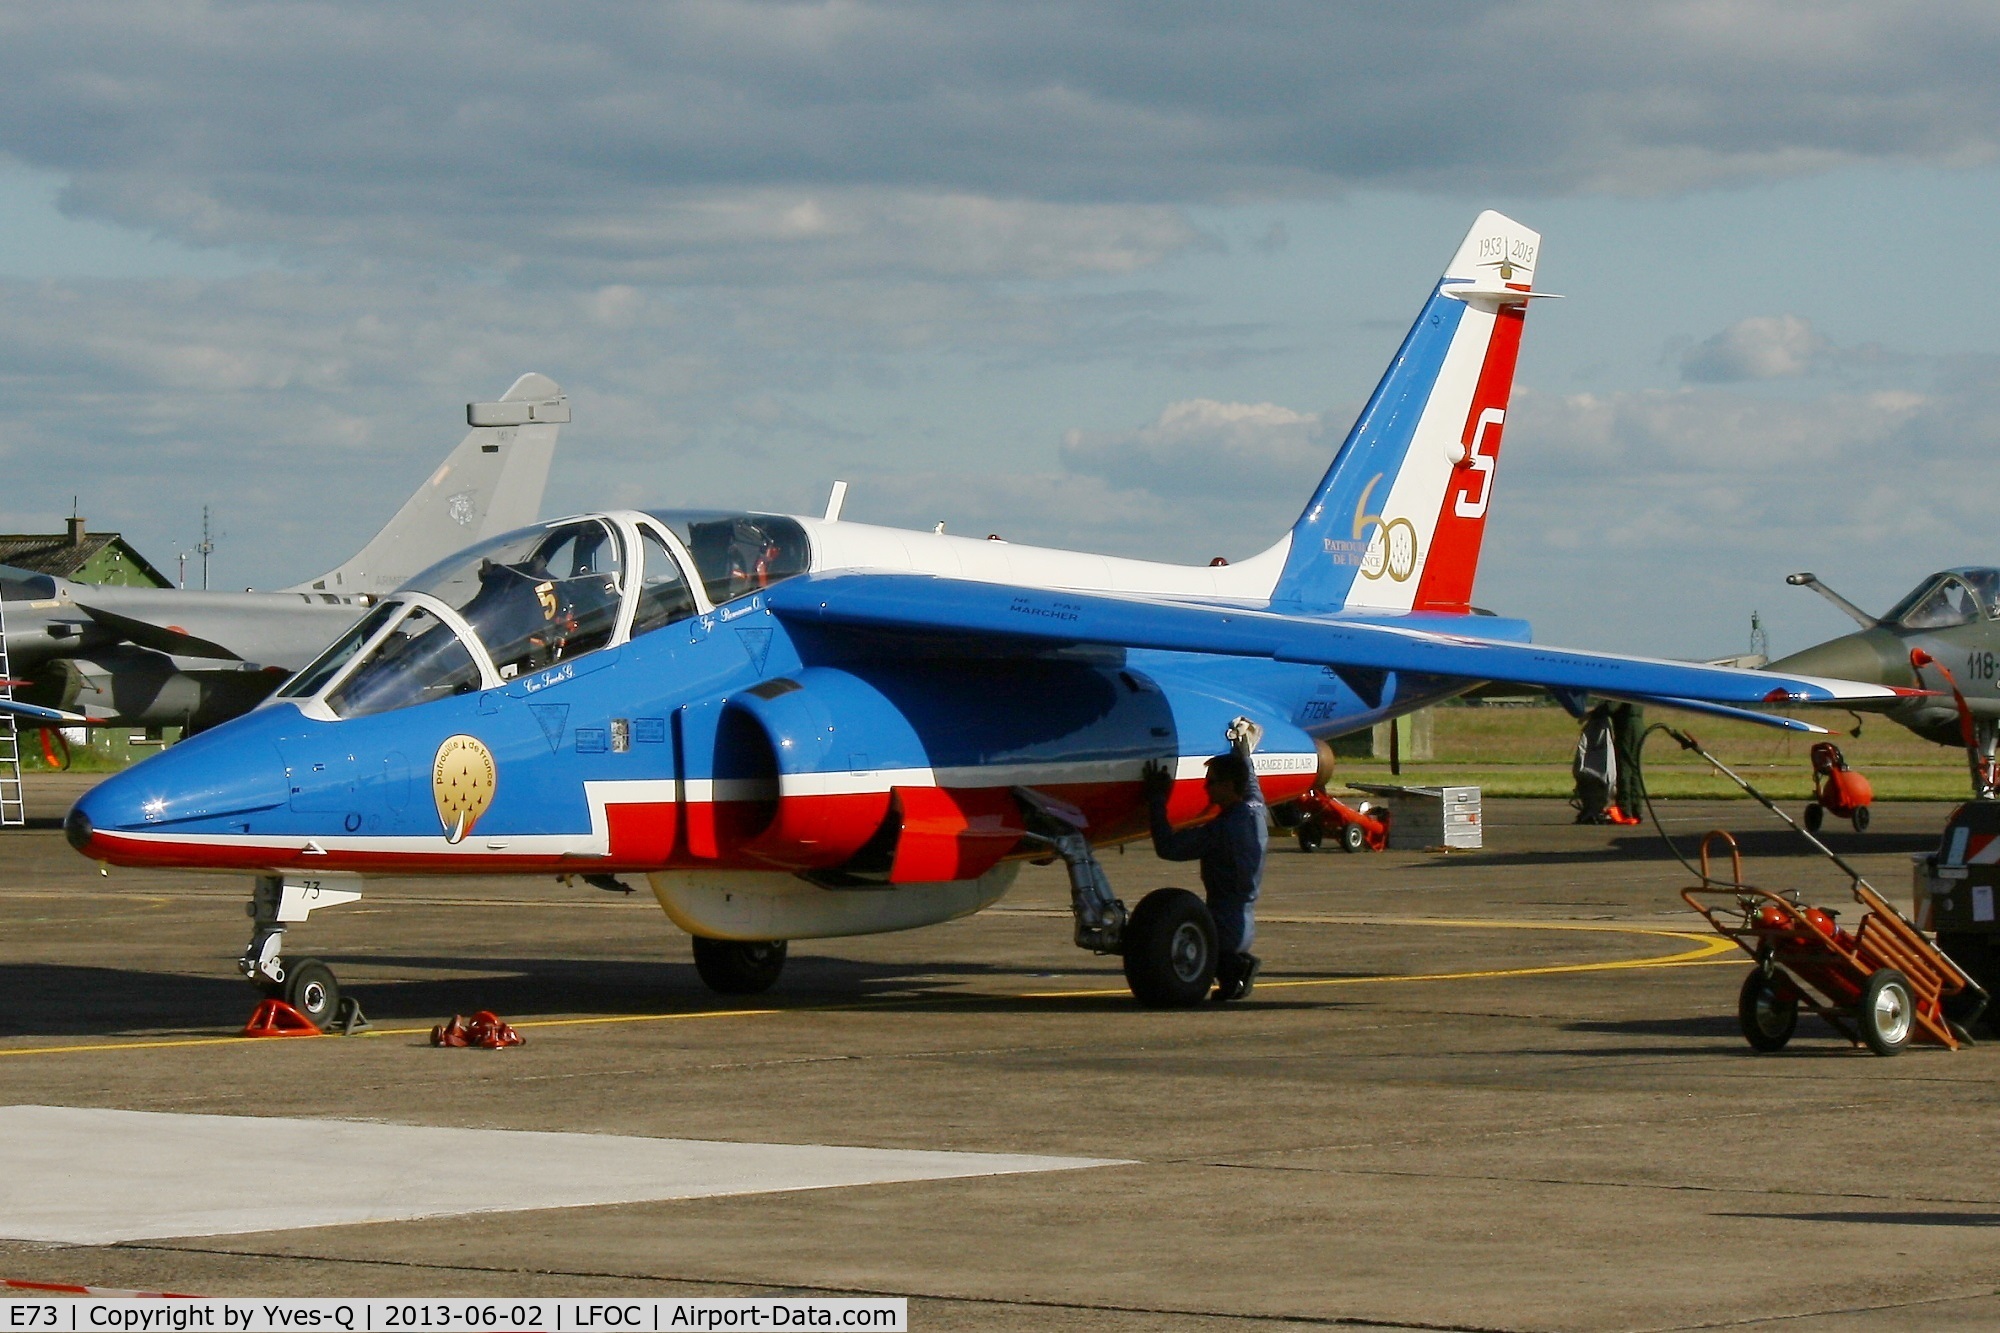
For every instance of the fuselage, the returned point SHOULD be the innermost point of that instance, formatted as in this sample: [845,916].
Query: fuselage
[160,657]
[1952,616]
[722,737]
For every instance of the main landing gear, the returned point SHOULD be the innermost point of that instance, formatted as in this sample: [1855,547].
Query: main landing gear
[1167,942]
[308,985]
[739,967]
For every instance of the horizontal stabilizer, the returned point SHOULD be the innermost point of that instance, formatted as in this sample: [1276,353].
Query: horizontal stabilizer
[1495,295]
[510,412]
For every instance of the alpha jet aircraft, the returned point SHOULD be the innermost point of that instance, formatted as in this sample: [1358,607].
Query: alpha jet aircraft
[800,727]
[156,657]
[1951,618]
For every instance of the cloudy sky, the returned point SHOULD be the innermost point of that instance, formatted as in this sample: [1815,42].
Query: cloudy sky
[1112,275]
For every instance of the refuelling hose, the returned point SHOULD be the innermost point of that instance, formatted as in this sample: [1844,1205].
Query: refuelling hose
[1687,742]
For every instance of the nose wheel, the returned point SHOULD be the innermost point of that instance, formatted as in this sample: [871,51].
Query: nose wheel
[310,988]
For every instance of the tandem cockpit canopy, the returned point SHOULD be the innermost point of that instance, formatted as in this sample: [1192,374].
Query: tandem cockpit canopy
[1951,597]
[532,599]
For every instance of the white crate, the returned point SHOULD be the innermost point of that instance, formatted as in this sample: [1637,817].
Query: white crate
[1422,818]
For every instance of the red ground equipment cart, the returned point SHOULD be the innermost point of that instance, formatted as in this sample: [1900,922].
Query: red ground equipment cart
[1837,789]
[1883,986]
[1355,829]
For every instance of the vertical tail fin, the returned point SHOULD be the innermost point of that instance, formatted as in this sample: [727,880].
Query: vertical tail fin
[1397,521]
[491,483]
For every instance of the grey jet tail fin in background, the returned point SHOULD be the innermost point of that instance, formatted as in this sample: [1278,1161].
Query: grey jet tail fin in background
[491,483]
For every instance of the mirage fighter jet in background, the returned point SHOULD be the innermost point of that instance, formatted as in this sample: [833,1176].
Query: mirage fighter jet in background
[1951,620]
[85,654]
[800,727]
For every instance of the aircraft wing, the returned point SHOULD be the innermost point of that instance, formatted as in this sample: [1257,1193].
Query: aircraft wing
[926,603]
[47,717]
[169,639]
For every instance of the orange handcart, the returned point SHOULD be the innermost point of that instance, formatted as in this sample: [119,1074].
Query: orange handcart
[1882,986]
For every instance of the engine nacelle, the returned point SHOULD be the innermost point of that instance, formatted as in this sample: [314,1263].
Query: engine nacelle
[897,775]
[794,785]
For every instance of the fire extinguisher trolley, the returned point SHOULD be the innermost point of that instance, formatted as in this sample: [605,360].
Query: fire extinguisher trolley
[1882,987]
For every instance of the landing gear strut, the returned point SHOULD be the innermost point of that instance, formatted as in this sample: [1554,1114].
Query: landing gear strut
[1100,916]
[307,985]
[1168,942]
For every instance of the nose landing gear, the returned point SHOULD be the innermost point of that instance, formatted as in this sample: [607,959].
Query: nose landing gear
[307,985]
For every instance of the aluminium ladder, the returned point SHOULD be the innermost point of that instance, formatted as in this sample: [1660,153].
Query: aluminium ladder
[13,802]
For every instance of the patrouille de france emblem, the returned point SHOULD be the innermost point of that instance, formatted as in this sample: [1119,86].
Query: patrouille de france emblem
[462,782]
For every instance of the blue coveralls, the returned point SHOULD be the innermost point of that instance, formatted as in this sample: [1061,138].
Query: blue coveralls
[1231,850]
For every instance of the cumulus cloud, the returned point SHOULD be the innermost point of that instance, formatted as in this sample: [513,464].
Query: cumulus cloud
[1762,347]
[1685,508]
[1201,447]
[308,406]
[646,143]
[1663,508]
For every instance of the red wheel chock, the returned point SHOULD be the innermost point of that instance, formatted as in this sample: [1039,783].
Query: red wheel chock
[484,1029]
[275,1018]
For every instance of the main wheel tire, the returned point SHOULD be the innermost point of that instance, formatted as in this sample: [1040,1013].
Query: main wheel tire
[1768,1011]
[1309,835]
[1170,951]
[739,967]
[1887,1012]
[311,989]
[1813,817]
[1860,818]
[1353,838]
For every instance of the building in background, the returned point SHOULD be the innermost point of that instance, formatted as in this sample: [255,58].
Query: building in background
[81,556]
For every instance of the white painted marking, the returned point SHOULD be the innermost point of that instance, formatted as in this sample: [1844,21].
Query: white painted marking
[602,795]
[85,1176]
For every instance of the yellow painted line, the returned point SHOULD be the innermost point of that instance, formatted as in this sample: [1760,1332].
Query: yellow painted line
[1705,950]
[630,1018]
[236,1039]
[1468,923]
[1709,949]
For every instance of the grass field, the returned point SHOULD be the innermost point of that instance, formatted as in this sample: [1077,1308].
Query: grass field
[1526,751]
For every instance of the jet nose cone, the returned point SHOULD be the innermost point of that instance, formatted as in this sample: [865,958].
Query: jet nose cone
[78,829]
[1873,656]
[197,787]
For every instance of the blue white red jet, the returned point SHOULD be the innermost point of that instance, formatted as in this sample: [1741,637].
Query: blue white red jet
[801,727]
